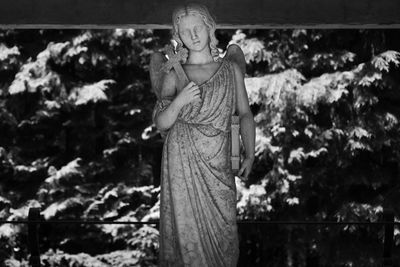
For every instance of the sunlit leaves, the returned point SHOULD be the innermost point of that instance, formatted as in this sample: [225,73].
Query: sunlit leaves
[7,231]
[144,239]
[363,98]
[358,140]
[299,155]
[66,206]
[359,133]
[296,155]
[118,199]
[383,60]
[252,202]
[9,57]
[263,144]
[253,48]
[90,93]
[370,78]
[272,89]
[332,61]
[327,88]
[321,126]
[354,145]
[329,134]
[119,258]
[64,175]
[292,201]
[35,76]
[390,121]
[353,211]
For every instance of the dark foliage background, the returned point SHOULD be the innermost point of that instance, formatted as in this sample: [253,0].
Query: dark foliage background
[76,139]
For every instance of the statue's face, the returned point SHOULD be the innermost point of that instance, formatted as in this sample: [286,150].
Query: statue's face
[193,32]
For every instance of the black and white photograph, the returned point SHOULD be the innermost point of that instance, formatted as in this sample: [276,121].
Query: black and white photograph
[206,133]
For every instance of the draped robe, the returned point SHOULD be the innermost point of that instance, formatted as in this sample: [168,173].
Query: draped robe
[198,192]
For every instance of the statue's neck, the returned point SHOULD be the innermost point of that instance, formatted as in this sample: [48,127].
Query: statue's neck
[200,57]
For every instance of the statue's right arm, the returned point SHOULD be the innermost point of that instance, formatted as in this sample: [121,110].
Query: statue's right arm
[166,118]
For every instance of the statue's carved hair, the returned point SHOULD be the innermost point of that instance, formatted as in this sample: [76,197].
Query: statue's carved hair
[209,21]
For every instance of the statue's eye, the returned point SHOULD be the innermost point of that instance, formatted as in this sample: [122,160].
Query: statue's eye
[185,32]
[198,28]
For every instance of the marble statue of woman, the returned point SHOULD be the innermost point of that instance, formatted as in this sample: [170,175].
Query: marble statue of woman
[198,192]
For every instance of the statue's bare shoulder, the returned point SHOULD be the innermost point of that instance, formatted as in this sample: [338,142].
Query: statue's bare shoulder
[169,84]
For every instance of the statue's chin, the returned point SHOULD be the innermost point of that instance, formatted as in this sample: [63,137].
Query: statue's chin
[197,48]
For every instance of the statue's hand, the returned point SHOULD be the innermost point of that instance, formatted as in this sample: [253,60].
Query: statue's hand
[173,58]
[245,169]
[182,55]
[189,93]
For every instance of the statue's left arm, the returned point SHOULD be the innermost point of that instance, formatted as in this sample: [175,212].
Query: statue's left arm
[247,125]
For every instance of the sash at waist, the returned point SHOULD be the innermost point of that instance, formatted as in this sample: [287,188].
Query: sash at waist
[203,125]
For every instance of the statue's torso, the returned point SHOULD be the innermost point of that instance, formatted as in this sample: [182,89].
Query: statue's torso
[217,99]
[201,73]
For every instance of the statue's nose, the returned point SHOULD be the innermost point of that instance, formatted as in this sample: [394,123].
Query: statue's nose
[194,35]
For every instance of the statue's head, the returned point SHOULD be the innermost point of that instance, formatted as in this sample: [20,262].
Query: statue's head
[193,22]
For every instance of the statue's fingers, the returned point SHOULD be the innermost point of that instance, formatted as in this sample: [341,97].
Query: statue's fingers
[189,85]
[240,172]
[195,88]
[246,173]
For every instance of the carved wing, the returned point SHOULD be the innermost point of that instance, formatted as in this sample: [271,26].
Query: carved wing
[234,53]
[157,61]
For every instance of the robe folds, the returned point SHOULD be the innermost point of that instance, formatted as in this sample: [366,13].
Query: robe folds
[198,192]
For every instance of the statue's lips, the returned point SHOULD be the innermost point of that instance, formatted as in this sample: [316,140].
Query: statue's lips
[195,43]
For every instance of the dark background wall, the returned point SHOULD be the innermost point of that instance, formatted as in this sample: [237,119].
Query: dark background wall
[230,14]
